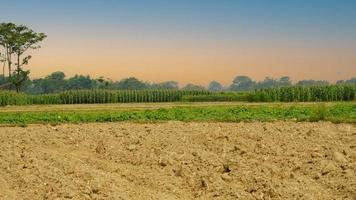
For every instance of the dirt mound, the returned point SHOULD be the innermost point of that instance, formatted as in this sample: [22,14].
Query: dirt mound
[175,160]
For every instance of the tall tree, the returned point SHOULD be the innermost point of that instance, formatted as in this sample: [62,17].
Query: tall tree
[3,60]
[25,39]
[7,41]
[17,40]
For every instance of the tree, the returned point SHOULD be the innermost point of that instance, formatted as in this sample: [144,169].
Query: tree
[215,86]
[350,81]
[312,83]
[17,40]
[168,85]
[267,83]
[2,80]
[103,83]
[284,81]
[7,38]
[191,86]
[80,82]
[131,83]
[242,83]
[3,60]
[53,83]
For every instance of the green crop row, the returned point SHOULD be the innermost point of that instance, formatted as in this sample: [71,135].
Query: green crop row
[305,94]
[96,96]
[283,94]
[338,112]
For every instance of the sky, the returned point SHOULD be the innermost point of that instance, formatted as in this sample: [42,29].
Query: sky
[191,41]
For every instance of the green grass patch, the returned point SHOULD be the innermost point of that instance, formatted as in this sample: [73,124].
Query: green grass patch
[340,112]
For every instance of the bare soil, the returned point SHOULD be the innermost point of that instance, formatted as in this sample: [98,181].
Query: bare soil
[176,160]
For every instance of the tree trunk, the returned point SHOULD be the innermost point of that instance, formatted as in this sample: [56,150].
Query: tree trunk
[9,62]
[3,70]
[18,84]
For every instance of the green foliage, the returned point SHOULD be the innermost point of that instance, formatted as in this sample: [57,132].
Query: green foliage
[242,83]
[16,41]
[319,113]
[131,83]
[12,98]
[341,112]
[339,92]
[96,96]
[285,94]
[167,85]
[192,87]
[215,86]
[312,83]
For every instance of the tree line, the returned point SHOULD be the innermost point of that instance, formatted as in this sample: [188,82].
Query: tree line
[17,40]
[57,82]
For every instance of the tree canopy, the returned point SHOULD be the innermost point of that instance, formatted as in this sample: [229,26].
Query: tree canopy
[16,40]
[215,86]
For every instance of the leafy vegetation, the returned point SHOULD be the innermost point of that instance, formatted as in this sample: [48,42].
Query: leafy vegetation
[338,92]
[16,40]
[97,96]
[57,82]
[341,112]
[285,94]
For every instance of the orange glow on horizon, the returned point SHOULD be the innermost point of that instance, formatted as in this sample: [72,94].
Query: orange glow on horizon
[199,62]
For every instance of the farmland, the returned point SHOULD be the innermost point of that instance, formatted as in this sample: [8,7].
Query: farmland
[177,100]
[178,150]
[276,143]
[179,160]
[283,94]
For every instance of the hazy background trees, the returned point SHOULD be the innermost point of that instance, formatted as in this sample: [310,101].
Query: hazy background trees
[312,82]
[242,83]
[215,86]
[350,81]
[58,82]
[17,40]
[191,86]
[168,85]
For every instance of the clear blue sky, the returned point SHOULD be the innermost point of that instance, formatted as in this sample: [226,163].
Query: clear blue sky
[213,39]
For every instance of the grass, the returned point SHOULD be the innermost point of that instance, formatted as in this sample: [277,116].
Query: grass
[336,112]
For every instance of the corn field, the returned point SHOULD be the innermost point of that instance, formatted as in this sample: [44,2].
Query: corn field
[284,94]
[305,94]
[96,96]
